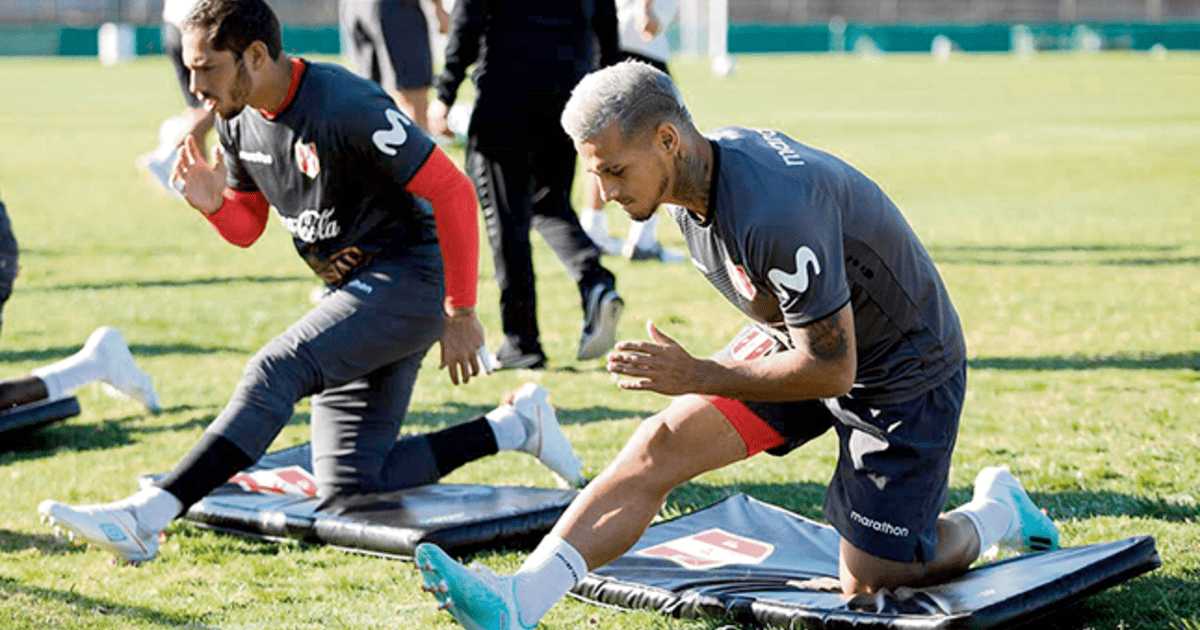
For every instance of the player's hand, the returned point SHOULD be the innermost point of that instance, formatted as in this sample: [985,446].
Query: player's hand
[201,184]
[462,337]
[660,365]
[435,117]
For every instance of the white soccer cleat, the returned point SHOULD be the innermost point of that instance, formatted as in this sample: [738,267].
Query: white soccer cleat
[105,526]
[121,375]
[1034,530]
[475,596]
[544,437]
[607,243]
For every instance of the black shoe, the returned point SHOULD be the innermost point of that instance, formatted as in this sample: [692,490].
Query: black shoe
[601,312]
[510,357]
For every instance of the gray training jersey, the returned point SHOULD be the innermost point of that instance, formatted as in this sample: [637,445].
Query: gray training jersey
[334,163]
[794,233]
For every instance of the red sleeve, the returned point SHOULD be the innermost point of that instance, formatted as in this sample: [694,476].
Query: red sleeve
[456,212]
[241,218]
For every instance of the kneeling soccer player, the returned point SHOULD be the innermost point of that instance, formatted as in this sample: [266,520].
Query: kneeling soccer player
[801,241]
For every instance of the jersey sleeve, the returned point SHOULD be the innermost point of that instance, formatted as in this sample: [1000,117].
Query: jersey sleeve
[803,264]
[386,139]
[236,176]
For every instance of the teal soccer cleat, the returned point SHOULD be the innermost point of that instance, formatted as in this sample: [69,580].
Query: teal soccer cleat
[475,596]
[1035,530]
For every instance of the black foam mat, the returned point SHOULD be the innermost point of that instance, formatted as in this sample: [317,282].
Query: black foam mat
[38,414]
[756,564]
[275,500]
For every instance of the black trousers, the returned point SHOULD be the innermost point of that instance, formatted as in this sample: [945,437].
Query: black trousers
[524,181]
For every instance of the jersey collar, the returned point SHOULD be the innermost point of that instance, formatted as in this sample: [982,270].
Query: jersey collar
[298,66]
[712,185]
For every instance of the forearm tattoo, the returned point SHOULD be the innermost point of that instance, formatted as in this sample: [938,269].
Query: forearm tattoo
[827,340]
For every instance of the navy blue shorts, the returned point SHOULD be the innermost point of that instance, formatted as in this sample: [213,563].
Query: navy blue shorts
[389,42]
[893,466]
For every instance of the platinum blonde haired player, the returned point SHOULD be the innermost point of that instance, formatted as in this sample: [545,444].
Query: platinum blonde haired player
[871,346]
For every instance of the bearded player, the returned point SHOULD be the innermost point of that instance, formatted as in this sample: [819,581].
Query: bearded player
[385,219]
[872,347]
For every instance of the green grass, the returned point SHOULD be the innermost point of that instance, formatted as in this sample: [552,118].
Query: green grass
[1059,197]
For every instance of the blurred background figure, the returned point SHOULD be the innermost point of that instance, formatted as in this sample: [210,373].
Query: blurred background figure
[527,55]
[642,36]
[389,44]
[194,121]
[8,259]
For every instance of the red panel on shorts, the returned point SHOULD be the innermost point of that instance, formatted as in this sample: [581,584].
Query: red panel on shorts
[754,431]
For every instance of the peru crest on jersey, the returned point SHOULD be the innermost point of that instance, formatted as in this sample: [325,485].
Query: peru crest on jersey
[306,159]
[741,281]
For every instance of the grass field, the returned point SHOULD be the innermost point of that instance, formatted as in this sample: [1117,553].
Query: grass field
[1059,196]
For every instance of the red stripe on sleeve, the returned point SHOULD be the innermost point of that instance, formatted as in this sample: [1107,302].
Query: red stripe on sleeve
[241,218]
[456,212]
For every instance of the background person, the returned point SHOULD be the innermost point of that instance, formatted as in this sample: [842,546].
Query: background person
[527,55]
[195,121]
[389,44]
[642,36]
[798,239]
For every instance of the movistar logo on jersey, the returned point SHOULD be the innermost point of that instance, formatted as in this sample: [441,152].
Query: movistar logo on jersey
[386,140]
[313,225]
[798,280]
[789,155]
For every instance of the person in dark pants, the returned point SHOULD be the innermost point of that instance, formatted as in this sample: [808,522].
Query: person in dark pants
[387,221]
[528,54]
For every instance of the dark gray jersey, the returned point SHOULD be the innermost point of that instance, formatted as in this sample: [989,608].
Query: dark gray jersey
[794,233]
[334,164]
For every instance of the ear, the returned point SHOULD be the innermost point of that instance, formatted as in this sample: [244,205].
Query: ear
[257,55]
[667,138]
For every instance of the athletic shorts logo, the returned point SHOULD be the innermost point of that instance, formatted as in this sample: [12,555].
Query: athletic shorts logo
[879,526]
[306,159]
[711,549]
[386,140]
[796,281]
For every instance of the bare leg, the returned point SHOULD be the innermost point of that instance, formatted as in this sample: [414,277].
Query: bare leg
[957,548]
[686,439]
[22,391]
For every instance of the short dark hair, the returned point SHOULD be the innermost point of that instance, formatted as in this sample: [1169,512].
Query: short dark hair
[235,24]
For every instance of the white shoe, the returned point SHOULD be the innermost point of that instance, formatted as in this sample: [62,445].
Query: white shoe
[114,529]
[121,375]
[544,438]
[475,596]
[601,313]
[158,165]
[1034,531]
[608,244]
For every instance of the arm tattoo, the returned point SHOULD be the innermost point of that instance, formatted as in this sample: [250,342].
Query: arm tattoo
[827,340]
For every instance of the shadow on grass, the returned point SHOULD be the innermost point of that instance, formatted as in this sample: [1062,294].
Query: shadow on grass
[98,608]
[45,441]
[1063,255]
[1144,361]
[145,284]
[47,355]
[11,541]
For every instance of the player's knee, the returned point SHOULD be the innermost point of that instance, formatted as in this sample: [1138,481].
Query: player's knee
[863,573]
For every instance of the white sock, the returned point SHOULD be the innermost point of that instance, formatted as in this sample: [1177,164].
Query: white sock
[993,520]
[643,234]
[553,569]
[63,377]
[155,507]
[508,426]
[593,220]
